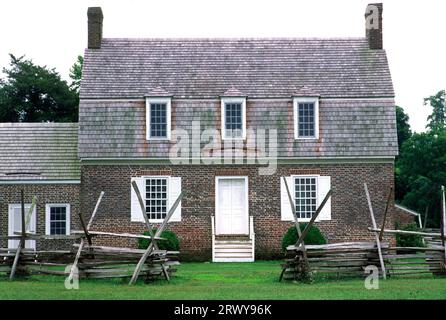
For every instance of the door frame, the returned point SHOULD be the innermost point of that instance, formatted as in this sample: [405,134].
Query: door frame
[33,223]
[245,178]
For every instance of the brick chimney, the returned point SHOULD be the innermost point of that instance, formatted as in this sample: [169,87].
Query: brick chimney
[95,19]
[374,25]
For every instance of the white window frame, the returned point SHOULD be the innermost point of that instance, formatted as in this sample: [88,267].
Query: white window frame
[296,102]
[168,102]
[224,101]
[316,176]
[67,207]
[145,178]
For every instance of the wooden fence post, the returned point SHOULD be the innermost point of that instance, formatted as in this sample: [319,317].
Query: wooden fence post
[389,197]
[21,245]
[313,218]
[378,243]
[296,222]
[22,200]
[87,235]
[443,207]
[149,250]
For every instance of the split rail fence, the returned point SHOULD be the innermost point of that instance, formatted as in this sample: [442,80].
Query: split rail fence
[87,260]
[355,258]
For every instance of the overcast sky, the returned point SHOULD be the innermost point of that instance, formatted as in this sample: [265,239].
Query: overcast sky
[54,32]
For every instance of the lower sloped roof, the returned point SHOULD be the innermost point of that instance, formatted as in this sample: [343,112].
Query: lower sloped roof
[39,151]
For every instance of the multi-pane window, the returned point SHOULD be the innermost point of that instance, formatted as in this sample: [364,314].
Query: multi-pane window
[234,120]
[156,198]
[306,124]
[58,220]
[305,196]
[158,120]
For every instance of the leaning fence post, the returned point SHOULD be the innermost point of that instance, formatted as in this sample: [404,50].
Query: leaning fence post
[389,197]
[22,200]
[82,243]
[296,221]
[443,206]
[378,243]
[152,244]
[21,245]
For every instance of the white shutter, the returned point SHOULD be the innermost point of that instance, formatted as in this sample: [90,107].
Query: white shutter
[135,208]
[286,214]
[174,192]
[324,185]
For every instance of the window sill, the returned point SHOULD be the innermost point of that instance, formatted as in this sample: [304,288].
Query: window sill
[158,139]
[306,138]
[233,139]
[156,220]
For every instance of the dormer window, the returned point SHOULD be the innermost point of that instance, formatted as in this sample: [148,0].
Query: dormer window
[233,118]
[158,118]
[306,118]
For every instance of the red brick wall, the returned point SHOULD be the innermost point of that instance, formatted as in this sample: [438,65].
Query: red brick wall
[46,194]
[350,214]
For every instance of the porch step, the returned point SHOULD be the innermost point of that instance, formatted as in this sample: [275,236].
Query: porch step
[235,237]
[233,251]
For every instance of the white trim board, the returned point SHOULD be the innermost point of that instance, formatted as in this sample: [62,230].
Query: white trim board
[194,161]
[40,182]
[216,99]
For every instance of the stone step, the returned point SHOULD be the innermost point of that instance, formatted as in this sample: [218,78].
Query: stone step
[220,242]
[238,250]
[233,254]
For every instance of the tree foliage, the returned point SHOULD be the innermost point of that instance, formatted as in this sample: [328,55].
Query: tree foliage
[32,93]
[403,126]
[437,119]
[76,74]
[421,165]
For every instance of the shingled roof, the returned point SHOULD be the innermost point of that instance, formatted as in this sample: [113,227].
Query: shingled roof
[130,68]
[39,151]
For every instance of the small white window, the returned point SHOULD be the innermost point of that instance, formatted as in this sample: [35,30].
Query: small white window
[305,196]
[158,118]
[57,219]
[157,197]
[159,193]
[306,118]
[308,192]
[233,118]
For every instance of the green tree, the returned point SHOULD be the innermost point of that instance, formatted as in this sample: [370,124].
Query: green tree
[32,93]
[404,133]
[402,126]
[437,119]
[76,74]
[422,170]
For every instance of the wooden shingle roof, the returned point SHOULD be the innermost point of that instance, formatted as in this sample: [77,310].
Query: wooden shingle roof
[39,151]
[130,68]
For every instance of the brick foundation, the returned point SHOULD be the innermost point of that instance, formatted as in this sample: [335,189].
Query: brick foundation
[350,215]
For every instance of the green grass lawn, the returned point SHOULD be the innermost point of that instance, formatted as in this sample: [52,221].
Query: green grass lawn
[257,280]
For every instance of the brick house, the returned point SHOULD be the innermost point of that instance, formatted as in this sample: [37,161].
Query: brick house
[224,120]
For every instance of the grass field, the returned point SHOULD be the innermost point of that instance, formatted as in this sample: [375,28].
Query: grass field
[257,280]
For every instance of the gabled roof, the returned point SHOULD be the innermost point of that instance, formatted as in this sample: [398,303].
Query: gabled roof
[129,68]
[39,151]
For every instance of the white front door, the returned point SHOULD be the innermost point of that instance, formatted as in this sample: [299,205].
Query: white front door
[15,225]
[232,206]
